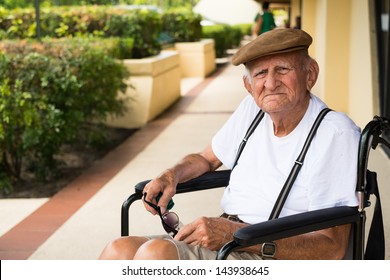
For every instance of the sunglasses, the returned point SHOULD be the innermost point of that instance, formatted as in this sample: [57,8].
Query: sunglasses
[170,220]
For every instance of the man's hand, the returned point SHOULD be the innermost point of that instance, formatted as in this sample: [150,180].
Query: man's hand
[211,233]
[165,184]
[191,166]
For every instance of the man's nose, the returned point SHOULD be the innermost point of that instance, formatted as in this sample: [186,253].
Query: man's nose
[272,81]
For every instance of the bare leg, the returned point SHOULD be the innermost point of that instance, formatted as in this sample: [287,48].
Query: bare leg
[123,248]
[157,249]
[139,248]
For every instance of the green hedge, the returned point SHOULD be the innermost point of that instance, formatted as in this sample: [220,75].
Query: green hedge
[49,93]
[225,36]
[143,26]
[182,25]
[149,29]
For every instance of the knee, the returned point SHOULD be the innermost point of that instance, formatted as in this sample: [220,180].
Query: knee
[157,249]
[123,248]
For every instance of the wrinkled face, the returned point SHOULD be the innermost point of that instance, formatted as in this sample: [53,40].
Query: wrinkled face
[281,83]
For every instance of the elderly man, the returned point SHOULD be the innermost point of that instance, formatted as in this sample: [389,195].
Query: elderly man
[279,75]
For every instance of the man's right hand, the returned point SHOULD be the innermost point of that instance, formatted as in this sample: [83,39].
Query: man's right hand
[165,186]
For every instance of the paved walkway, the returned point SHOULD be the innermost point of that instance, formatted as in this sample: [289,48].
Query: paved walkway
[78,221]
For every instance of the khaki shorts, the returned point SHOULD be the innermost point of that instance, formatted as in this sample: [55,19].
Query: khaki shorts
[189,252]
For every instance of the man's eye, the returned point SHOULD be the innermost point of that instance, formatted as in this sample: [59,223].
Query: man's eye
[261,74]
[283,70]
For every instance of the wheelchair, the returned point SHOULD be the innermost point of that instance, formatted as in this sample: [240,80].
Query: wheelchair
[360,247]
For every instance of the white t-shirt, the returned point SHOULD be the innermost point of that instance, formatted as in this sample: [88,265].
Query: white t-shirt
[326,179]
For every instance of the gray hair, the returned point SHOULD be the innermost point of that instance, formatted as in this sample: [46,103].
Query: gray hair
[247,74]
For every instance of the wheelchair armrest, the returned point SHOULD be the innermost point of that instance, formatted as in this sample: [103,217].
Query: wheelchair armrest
[295,224]
[209,180]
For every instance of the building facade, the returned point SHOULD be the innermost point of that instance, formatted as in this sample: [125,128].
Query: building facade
[351,47]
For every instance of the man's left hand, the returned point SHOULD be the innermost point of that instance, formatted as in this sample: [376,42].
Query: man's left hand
[211,233]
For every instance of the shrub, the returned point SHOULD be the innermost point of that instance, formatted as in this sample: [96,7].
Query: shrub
[26,120]
[246,28]
[142,26]
[225,36]
[49,93]
[182,25]
[119,48]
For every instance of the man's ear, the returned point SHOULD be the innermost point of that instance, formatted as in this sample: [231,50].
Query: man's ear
[312,74]
[247,83]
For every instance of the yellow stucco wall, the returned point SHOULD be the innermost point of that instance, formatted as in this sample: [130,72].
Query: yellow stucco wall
[363,102]
[342,47]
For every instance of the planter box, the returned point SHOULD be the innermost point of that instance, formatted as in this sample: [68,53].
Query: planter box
[154,85]
[197,59]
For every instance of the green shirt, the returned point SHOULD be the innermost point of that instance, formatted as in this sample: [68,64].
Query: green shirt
[268,22]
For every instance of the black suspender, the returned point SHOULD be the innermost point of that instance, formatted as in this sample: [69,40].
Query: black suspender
[297,167]
[248,133]
[298,162]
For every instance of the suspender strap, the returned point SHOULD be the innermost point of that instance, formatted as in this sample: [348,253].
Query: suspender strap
[249,132]
[297,167]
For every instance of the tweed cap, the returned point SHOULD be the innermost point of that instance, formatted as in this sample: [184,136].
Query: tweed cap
[273,42]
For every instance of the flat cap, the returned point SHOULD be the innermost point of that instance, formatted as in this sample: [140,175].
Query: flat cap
[273,42]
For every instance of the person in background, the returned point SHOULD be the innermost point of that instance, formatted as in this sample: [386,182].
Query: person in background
[297,22]
[263,22]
